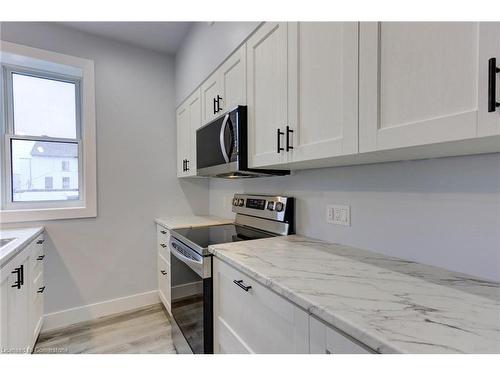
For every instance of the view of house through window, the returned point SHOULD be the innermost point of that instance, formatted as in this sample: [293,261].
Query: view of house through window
[44,140]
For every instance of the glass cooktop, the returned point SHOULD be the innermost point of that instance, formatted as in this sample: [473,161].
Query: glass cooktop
[206,236]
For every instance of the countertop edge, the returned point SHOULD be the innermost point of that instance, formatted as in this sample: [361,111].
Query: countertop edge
[206,221]
[21,245]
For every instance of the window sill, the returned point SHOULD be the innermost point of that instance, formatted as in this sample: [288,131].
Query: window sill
[42,214]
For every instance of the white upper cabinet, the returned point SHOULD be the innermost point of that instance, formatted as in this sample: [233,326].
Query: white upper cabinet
[420,82]
[188,121]
[225,88]
[233,78]
[489,48]
[322,89]
[182,136]
[267,85]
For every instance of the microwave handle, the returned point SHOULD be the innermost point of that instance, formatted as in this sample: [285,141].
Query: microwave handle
[221,138]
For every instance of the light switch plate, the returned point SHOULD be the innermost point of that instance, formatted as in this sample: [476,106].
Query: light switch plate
[338,214]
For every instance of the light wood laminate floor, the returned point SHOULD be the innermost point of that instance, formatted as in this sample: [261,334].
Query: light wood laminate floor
[146,330]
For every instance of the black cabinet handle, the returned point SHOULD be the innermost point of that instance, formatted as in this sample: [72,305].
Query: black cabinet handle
[41,257]
[246,288]
[218,103]
[163,232]
[163,245]
[20,277]
[279,134]
[39,242]
[287,145]
[40,290]
[492,84]
[163,272]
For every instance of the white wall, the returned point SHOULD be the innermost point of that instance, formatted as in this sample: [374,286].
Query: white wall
[204,48]
[114,255]
[444,212]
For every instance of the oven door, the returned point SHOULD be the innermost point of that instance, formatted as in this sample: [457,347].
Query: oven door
[217,145]
[191,291]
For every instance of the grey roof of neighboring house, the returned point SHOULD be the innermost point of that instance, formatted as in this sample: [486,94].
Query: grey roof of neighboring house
[55,149]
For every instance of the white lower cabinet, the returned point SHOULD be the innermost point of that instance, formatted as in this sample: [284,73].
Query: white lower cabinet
[163,271]
[256,320]
[251,318]
[327,340]
[21,292]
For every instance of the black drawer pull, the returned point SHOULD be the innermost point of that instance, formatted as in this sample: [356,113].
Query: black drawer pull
[246,288]
[492,84]
[279,134]
[218,103]
[19,271]
[163,272]
[40,290]
[163,232]
[41,257]
[39,242]
[163,245]
[287,144]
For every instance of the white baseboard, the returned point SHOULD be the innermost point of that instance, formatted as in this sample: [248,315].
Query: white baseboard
[79,314]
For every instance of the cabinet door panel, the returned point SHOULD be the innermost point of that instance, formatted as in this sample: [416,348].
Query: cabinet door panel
[209,91]
[233,80]
[267,93]
[323,88]
[194,109]
[182,144]
[489,46]
[257,320]
[327,340]
[164,281]
[418,83]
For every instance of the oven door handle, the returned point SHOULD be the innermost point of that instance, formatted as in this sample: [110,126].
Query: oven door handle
[196,266]
[221,138]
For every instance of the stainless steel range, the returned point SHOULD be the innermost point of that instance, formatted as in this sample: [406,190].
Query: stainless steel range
[257,216]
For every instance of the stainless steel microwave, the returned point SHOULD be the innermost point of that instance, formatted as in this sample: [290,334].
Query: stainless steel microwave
[221,148]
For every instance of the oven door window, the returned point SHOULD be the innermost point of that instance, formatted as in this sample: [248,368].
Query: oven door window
[187,303]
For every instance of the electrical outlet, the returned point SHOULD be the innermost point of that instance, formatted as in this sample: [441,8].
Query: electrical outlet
[338,214]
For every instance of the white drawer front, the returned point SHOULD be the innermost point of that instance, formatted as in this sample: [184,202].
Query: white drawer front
[163,237]
[38,254]
[327,340]
[258,319]
[164,281]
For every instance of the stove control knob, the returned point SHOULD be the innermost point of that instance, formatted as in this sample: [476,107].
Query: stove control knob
[270,206]
[235,201]
[278,207]
[241,202]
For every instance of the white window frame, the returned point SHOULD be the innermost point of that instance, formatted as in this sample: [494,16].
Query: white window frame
[46,64]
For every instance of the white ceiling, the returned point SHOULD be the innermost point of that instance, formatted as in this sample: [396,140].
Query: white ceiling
[159,36]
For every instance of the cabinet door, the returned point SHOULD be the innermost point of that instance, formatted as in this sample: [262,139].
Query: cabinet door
[182,138]
[211,90]
[267,94]
[327,340]
[14,330]
[194,109]
[489,47]
[323,89]
[164,281]
[256,320]
[232,76]
[418,83]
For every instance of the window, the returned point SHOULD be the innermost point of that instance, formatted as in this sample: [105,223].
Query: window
[65,166]
[65,183]
[49,183]
[49,121]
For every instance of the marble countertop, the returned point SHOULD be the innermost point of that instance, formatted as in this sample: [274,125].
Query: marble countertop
[175,222]
[23,236]
[389,304]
